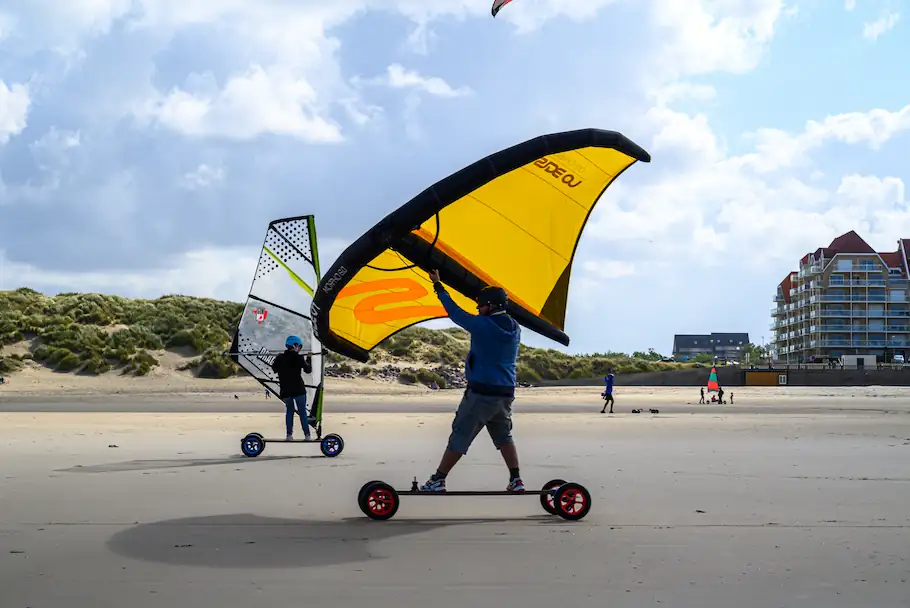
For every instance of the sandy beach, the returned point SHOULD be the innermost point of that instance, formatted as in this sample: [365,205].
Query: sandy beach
[791,497]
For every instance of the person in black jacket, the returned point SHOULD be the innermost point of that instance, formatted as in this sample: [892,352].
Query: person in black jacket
[292,390]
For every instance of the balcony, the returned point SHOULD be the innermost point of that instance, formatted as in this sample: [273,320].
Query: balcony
[859,328]
[862,267]
[833,313]
[849,298]
[858,344]
[838,281]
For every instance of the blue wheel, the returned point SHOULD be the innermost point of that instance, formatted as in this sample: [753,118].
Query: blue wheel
[252,445]
[331,445]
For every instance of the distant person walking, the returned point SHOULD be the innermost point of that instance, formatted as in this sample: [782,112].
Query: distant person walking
[608,393]
[720,395]
[702,391]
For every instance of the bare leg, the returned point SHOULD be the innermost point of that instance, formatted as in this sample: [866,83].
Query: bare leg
[449,459]
[510,455]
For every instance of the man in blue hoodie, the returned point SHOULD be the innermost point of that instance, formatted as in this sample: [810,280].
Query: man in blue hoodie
[608,393]
[490,372]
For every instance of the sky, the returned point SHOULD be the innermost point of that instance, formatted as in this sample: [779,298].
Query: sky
[146,144]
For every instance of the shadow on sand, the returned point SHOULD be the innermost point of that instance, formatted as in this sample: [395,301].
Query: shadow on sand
[174,463]
[251,541]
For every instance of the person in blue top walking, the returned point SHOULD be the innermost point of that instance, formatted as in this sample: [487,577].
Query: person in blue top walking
[490,372]
[608,393]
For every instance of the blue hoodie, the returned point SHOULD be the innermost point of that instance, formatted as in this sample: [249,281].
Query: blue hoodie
[609,380]
[490,366]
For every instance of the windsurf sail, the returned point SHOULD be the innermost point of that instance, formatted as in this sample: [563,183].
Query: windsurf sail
[498,4]
[512,219]
[713,386]
[278,306]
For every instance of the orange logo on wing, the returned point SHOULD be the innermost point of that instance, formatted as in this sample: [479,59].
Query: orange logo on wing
[365,310]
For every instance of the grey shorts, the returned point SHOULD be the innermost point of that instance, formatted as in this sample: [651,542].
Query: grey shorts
[476,412]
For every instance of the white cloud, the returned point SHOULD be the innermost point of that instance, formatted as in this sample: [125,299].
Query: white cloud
[56,141]
[874,29]
[398,77]
[14,106]
[609,269]
[849,5]
[725,207]
[777,149]
[681,91]
[529,15]
[53,153]
[701,37]
[202,177]
[262,100]
[7,24]
[361,113]
[213,272]
[220,272]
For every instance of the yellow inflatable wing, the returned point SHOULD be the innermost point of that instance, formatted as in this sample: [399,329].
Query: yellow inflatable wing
[512,219]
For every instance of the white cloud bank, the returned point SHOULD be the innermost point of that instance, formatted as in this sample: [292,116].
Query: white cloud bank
[875,29]
[14,105]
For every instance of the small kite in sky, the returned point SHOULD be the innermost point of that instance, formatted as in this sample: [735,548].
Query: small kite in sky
[498,4]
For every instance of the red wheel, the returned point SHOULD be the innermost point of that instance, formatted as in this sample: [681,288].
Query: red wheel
[572,500]
[380,501]
[546,495]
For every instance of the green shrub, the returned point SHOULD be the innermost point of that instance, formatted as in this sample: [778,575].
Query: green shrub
[345,368]
[214,364]
[9,365]
[68,362]
[527,374]
[81,325]
[96,366]
[428,377]
[406,376]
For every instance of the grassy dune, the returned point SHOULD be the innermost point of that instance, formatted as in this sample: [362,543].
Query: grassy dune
[99,334]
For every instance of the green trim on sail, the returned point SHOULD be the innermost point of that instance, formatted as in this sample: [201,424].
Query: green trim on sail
[311,225]
[314,249]
[293,274]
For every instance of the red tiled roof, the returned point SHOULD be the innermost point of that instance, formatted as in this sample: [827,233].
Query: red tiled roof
[893,259]
[850,242]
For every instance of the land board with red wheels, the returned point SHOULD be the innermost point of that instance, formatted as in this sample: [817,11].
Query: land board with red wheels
[570,500]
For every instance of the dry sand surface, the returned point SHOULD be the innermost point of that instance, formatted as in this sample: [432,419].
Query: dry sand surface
[708,510]
[165,384]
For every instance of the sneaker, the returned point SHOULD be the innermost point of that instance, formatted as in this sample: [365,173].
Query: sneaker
[289,438]
[516,485]
[434,485]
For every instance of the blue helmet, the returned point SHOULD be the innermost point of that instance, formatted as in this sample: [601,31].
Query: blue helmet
[293,341]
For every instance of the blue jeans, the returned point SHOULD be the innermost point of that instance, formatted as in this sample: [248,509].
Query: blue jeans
[297,403]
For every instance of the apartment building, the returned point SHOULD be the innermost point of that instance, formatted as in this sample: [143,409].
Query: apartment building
[845,299]
[724,346]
